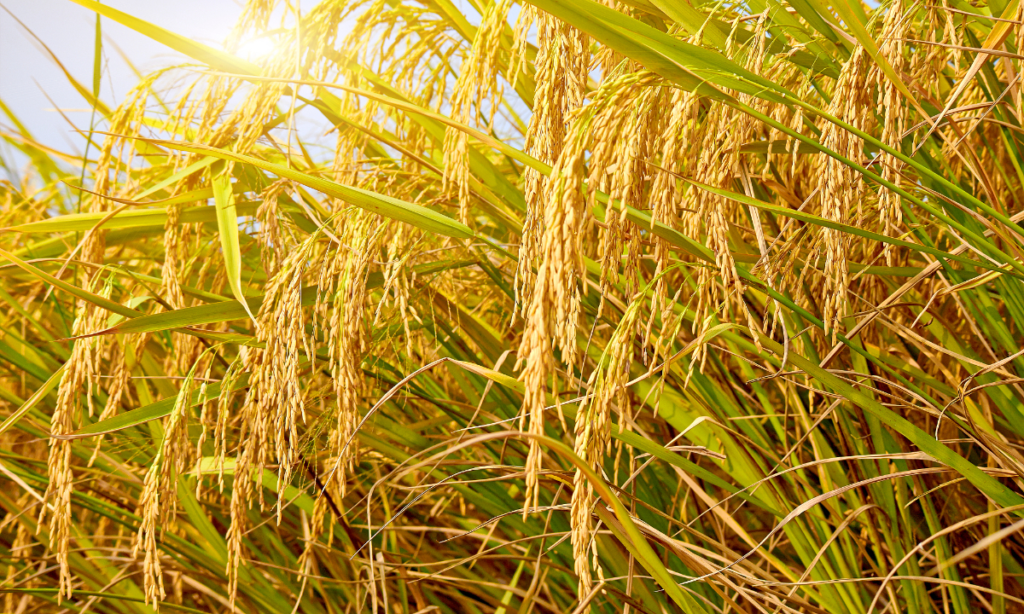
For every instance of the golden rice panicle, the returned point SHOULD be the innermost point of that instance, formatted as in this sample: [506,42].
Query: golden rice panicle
[550,238]
[528,15]
[116,381]
[124,355]
[755,51]
[535,356]
[243,124]
[666,195]
[563,61]
[607,118]
[788,75]
[159,490]
[606,387]
[551,321]
[208,422]
[642,137]
[607,61]
[241,127]
[630,182]
[241,495]
[928,62]
[176,235]
[347,157]
[476,84]
[553,313]
[255,17]
[273,408]
[175,239]
[276,381]
[234,371]
[247,123]
[961,143]
[361,235]
[320,31]
[213,107]
[718,166]
[116,153]
[893,110]
[270,237]
[793,168]
[841,188]
[397,288]
[81,374]
[256,437]
[82,369]
[115,158]
[950,33]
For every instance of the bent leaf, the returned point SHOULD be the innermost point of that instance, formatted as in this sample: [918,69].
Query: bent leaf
[227,225]
[415,215]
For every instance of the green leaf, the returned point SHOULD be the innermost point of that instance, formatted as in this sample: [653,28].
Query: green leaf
[85,295]
[689,66]
[810,218]
[193,49]
[146,413]
[138,218]
[415,215]
[987,484]
[209,465]
[33,400]
[227,224]
[225,311]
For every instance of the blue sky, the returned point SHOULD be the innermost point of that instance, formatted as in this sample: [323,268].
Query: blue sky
[68,29]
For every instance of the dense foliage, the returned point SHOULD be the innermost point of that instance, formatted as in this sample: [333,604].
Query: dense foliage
[541,306]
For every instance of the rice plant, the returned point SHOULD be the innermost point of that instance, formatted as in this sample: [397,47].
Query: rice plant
[700,306]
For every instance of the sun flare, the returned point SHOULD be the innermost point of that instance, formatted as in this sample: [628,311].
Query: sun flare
[258,49]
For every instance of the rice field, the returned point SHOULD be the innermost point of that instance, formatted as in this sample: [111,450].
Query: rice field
[536,306]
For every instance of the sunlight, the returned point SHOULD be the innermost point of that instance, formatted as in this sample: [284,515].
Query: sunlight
[257,49]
